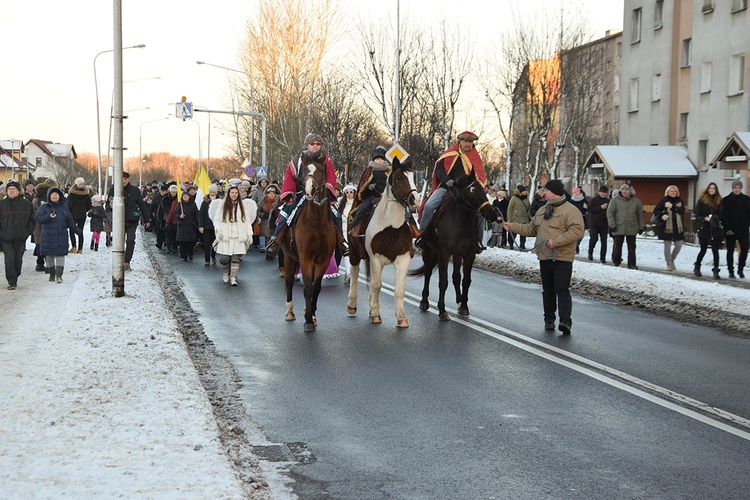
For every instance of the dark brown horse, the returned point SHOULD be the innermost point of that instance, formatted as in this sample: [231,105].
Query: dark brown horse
[310,240]
[455,235]
[388,240]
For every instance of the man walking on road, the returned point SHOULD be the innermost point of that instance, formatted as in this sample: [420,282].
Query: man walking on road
[598,224]
[558,226]
[625,217]
[736,219]
[16,225]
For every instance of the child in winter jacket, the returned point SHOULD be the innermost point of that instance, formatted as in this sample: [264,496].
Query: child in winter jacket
[98,215]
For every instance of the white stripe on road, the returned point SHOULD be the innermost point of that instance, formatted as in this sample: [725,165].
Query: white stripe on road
[662,396]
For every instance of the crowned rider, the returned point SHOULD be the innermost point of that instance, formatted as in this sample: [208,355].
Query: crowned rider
[292,187]
[457,162]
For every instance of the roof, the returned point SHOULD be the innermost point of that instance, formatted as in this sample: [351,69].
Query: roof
[644,161]
[55,149]
[738,143]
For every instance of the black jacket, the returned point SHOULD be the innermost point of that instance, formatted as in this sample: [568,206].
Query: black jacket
[597,213]
[16,219]
[135,207]
[710,230]
[79,203]
[735,214]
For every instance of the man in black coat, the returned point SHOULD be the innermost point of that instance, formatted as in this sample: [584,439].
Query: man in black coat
[16,225]
[598,225]
[736,219]
[135,210]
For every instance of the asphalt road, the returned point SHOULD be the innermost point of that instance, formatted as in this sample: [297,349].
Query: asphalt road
[629,406]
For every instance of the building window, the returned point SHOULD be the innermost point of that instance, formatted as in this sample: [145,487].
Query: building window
[706,69]
[687,52]
[658,10]
[618,50]
[617,83]
[637,18]
[683,126]
[702,151]
[737,74]
[633,95]
[656,87]
[738,5]
[708,6]
[616,112]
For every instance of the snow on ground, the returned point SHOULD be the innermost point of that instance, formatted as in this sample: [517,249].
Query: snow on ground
[100,397]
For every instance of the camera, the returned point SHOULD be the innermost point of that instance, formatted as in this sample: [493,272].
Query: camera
[53,212]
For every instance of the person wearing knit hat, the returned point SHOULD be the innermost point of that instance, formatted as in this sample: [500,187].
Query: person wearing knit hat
[16,225]
[371,186]
[736,219]
[96,214]
[345,207]
[457,164]
[626,219]
[519,210]
[79,203]
[557,227]
[598,226]
[292,184]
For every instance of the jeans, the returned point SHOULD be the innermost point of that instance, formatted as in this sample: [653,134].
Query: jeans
[671,254]
[556,290]
[80,223]
[431,206]
[704,247]
[731,247]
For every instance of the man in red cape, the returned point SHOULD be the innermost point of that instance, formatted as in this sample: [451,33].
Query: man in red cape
[459,160]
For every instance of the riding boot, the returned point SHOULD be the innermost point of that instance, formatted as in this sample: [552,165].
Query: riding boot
[51,272]
[59,273]
[697,269]
[415,232]
[272,248]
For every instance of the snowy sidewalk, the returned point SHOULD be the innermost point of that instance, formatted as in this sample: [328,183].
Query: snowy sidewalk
[99,397]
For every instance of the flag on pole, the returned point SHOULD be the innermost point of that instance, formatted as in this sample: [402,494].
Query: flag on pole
[202,182]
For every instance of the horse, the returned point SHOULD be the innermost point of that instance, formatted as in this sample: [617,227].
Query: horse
[455,235]
[388,240]
[310,240]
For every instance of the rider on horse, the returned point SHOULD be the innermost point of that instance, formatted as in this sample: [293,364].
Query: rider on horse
[292,186]
[459,160]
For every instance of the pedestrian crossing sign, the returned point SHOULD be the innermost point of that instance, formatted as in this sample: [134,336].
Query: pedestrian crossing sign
[396,151]
[183,110]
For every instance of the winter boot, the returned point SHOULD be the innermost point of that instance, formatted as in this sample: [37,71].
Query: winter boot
[731,273]
[234,268]
[716,273]
[92,245]
[59,273]
[740,272]
[282,274]
[697,269]
[591,255]
[225,268]
[51,272]
[96,247]
[73,250]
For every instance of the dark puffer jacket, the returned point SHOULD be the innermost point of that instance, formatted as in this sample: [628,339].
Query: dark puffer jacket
[55,229]
[186,226]
[79,202]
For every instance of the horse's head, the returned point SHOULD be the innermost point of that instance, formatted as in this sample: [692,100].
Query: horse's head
[313,173]
[471,194]
[401,182]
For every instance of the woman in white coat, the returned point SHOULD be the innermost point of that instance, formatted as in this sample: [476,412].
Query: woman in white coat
[233,223]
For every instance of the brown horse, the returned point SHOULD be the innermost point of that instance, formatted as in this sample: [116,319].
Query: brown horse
[310,240]
[455,236]
[388,240]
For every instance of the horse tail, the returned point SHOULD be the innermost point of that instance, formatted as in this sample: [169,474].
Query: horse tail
[417,272]
[367,271]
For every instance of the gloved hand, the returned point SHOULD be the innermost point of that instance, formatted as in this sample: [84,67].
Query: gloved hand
[640,231]
[729,233]
[665,217]
[668,204]
[707,219]
[611,231]
[372,187]
[450,183]
[679,204]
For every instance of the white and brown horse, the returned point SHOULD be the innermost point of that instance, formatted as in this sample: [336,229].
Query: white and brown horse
[388,240]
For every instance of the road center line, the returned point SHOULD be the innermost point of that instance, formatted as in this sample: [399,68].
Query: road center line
[650,392]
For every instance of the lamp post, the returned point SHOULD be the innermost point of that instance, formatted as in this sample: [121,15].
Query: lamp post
[252,119]
[140,149]
[98,127]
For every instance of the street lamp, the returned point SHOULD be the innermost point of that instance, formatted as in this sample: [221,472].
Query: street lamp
[140,149]
[98,127]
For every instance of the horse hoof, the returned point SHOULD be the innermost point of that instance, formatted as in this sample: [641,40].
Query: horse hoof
[289,317]
[309,327]
[463,311]
[402,323]
[351,310]
[376,320]
[444,317]
[424,305]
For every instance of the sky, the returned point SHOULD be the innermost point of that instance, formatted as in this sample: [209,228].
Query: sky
[82,416]
[49,93]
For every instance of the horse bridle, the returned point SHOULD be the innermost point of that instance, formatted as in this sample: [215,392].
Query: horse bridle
[402,201]
[465,205]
